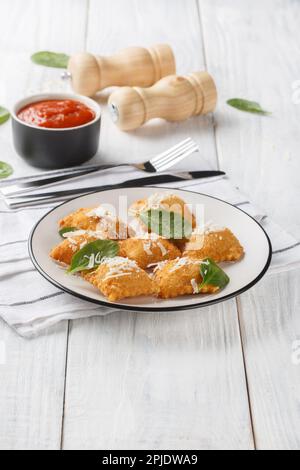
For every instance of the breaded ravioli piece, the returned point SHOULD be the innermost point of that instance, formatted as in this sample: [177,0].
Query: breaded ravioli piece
[136,229]
[180,277]
[119,278]
[220,245]
[80,219]
[169,202]
[97,219]
[148,251]
[64,251]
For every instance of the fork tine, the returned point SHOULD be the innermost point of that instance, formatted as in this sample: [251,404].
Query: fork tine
[172,156]
[176,156]
[180,157]
[175,152]
[170,150]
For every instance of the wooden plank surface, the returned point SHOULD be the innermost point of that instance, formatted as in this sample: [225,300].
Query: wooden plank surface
[155,380]
[32,377]
[151,380]
[118,24]
[39,26]
[270,325]
[32,373]
[251,48]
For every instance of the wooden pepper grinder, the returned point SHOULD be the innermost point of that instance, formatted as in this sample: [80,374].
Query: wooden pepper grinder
[134,66]
[173,98]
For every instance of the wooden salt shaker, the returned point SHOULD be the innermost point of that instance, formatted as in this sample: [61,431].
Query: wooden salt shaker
[134,66]
[173,98]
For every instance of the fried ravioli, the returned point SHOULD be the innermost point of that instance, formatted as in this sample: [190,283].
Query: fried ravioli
[180,277]
[118,278]
[168,202]
[147,251]
[64,251]
[96,219]
[180,262]
[221,245]
[80,220]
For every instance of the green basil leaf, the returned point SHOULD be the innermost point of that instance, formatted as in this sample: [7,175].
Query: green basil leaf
[212,274]
[167,224]
[64,230]
[4,115]
[5,170]
[248,106]
[51,59]
[92,254]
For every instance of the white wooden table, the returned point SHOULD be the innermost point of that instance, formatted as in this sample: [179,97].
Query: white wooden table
[216,378]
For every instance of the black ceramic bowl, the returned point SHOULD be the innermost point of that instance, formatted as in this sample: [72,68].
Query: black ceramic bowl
[56,148]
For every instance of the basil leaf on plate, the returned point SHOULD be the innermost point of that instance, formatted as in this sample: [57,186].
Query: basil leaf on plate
[4,115]
[248,106]
[64,230]
[212,274]
[51,59]
[171,225]
[92,254]
[5,170]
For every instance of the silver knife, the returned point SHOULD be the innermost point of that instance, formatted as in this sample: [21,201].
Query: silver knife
[24,187]
[41,198]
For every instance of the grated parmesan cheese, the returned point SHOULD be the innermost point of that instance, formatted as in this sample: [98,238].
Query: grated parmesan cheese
[75,233]
[153,202]
[207,228]
[181,262]
[147,248]
[163,250]
[99,212]
[195,286]
[118,266]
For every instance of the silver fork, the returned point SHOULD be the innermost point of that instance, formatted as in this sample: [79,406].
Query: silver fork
[159,163]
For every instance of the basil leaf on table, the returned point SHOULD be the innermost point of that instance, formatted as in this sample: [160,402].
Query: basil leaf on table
[166,224]
[5,170]
[64,230]
[247,106]
[51,59]
[212,274]
[4,115]
[92,254]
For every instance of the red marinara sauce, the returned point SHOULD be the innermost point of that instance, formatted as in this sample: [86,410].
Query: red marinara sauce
[56,114]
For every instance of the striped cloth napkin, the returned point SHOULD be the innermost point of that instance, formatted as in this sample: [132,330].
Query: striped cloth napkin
[29,304]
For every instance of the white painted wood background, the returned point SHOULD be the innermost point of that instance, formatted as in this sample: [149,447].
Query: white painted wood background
[215,378]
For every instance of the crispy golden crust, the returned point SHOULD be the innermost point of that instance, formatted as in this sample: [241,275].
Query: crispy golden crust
[177,204]
[146,252]
[110,227]
[89,275]
[136,229]
[124,276]
[121,282]
[65,250]
[170,202]
[80,220]
[221,245]
[180,244]
[180,277]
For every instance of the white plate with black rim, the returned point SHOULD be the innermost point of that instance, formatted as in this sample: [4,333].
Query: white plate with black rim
[243,274]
